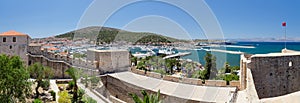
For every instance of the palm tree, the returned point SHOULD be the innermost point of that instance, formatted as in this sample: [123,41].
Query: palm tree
[170,63]
[39,72]
[152,98]
[75,75]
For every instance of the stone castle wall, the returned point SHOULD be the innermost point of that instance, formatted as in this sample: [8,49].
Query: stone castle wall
[109,61]
[59,67]
[120,90]
[84,63]
[275,75]
[193,81]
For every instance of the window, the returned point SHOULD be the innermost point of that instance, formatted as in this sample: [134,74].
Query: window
[14,39]
[4,39]
[10,47]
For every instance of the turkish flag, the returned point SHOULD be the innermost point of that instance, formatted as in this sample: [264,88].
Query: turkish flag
[283,23]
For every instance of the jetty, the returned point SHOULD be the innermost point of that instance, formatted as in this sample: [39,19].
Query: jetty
[224,51]
[180,54]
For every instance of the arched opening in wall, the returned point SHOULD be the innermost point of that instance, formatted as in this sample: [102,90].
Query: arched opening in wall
[10,47]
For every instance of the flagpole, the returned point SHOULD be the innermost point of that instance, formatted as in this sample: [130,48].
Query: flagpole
[285,37]
[284,27]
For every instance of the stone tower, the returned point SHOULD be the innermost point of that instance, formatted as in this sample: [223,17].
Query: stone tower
[14,43]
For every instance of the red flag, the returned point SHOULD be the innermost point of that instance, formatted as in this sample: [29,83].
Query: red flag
[283,23]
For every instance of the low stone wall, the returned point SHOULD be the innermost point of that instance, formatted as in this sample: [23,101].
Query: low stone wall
[120,89]
[218,83]
[192,81]
[171,78]
[235,84]
[154,75]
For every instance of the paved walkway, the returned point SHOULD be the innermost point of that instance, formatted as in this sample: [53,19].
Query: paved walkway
[289,98]
[186,91]
[90,93]
[54,87]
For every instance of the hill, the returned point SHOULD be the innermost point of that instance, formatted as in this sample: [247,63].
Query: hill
[108,35]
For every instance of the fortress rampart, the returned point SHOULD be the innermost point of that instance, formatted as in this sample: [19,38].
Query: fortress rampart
[274,74]
[107,62]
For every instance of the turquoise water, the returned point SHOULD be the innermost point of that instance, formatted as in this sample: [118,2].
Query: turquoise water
[234,59]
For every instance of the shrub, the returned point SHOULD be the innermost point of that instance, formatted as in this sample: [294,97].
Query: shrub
[53,94]
[71,85]
[64,97]
[88,100]
[94,80]
[160,71]
[45,84]
[37,101]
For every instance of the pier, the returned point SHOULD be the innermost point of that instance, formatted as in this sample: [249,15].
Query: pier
[224,51]
[180,54]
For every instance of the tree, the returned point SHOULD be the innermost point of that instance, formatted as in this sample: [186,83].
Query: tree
[230,77]
[41,74]
[14,80]
[199,74]
[75,75]
[71,85]
[210,65]
[80,93]
[228,73]
[170,63]
[141,65]
[152,98]
[227,68]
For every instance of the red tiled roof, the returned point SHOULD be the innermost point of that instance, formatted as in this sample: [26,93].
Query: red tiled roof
[12,33]
[63,53]
[52,48]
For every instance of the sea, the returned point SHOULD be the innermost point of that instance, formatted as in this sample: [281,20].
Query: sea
[246,47]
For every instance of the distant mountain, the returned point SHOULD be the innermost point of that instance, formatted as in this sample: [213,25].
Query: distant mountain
[266,40]
[108,35]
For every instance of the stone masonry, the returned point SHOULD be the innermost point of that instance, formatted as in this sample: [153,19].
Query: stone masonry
[275,74]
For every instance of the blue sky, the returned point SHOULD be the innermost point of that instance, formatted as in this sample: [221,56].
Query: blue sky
[237,18]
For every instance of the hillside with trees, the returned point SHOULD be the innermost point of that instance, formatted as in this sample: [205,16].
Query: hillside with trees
[108,35]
